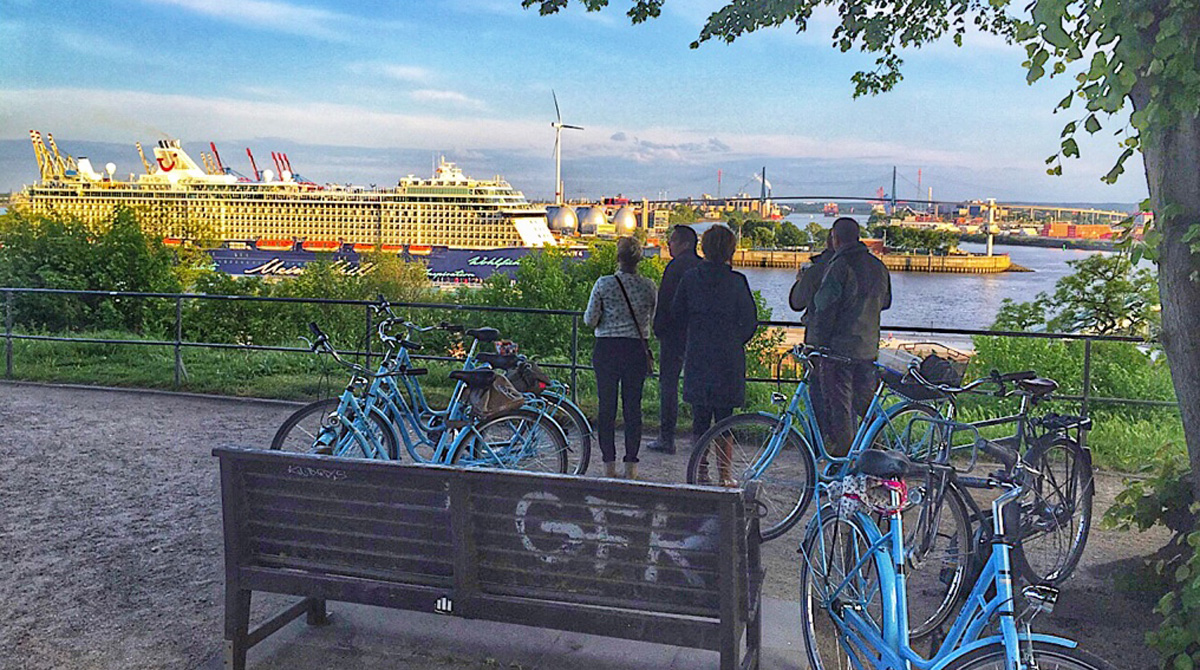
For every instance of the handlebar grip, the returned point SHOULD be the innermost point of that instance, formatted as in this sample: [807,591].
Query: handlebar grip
[1007,456]
[315,330]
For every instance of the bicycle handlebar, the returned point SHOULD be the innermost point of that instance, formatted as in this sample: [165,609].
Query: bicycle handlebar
[999,380]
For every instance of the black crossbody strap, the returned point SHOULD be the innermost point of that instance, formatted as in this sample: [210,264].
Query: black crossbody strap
[629,304]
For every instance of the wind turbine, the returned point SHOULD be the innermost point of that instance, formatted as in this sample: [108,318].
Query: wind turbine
[558,127]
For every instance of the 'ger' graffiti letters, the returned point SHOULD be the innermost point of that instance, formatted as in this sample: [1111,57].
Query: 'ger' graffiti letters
[574,536]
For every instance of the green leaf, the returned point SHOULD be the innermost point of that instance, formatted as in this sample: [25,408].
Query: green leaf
[1068,129]
[1070,148]
[1091,125]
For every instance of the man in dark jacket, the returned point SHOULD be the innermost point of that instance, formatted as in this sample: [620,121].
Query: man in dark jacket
[672,335]
[844,318]
[808,280]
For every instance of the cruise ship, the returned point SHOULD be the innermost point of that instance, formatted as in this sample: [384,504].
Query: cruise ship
[183,201]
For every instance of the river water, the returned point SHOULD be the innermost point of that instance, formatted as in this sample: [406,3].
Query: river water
[922,299]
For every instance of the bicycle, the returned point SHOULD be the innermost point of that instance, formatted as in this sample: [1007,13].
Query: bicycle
[1058,514]
[362,422]
[781,451]
[552,401]
[855,595]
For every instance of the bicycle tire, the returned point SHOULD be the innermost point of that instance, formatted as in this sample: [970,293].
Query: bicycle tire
[493,442]
[1048,657]
[786,487]
[1058,509]
[299,432]
[833,546]
[576,428]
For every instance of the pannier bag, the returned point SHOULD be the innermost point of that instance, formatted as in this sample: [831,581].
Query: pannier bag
[528,377]
[500,397]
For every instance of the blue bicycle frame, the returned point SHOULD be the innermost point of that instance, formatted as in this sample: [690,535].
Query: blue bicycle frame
[890,648]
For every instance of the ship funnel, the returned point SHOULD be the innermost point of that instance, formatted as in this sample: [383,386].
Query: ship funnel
[85,169]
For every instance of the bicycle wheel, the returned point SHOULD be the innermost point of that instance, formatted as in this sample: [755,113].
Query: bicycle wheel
[1047,657]
[1057,514]
[576,429]
[939,546]
[730,452]
[836,577]
[317,428]
[520,440]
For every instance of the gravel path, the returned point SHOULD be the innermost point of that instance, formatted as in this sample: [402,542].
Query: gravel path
[110,538]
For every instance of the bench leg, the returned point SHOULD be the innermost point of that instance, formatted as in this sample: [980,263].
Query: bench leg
[237,628]
[317,615]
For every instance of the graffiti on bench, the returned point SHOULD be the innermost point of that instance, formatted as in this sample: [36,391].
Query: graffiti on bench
[603,530]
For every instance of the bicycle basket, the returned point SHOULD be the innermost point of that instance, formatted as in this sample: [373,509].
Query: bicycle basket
[528,377]
[500,397]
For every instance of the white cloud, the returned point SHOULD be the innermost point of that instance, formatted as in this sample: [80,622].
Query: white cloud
[399,72]
[268,14]
[451,97]
[94,46]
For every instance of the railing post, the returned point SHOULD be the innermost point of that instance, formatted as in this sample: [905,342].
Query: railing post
[1087,375]
[8,326]
[178,341]
[575,358]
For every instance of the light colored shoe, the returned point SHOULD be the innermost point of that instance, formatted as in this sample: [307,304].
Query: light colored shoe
[610,469]
[631,471]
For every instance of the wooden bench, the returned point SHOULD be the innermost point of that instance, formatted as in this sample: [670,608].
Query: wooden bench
[675,565]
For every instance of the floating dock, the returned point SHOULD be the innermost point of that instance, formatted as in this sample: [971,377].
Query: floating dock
[954,264]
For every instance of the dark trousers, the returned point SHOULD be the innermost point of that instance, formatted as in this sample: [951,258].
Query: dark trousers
[671,351]
[845,395]
[620,364]
[704,416]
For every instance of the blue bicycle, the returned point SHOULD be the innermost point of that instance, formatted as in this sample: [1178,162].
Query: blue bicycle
[855,594]
[373,417]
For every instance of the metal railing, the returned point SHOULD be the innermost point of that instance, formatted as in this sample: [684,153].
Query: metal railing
[1085,398]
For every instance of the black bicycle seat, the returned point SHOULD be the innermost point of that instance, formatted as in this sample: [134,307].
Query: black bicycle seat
[882,463]
[474,378]
[484,334]
[1038,386]
[498,361]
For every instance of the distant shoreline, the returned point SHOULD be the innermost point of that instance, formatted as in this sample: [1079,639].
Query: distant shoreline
[1045,242]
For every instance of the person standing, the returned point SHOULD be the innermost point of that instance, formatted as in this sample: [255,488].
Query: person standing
[844,318]
[672,335]
[808,280]
[621,309]
[721,317]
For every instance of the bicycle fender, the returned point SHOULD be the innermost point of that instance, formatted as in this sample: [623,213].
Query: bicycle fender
[996,639]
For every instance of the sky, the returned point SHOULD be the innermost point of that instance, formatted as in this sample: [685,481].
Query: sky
[368,91]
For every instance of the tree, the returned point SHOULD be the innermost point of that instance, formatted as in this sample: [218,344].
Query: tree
[1141,53]
[790,236]
[1105,295]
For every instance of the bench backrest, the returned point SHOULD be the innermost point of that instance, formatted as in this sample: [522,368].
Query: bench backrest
[483,533]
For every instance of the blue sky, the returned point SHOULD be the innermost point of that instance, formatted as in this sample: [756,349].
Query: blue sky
[369,91]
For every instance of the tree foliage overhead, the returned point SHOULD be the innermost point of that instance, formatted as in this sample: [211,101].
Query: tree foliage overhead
[883,27]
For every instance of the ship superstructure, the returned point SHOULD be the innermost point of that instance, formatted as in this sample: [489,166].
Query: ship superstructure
[179,199]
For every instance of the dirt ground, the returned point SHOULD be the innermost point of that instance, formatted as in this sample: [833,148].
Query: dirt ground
[110,534]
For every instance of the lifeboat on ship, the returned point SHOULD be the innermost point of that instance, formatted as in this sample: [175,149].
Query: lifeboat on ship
[321,245]
[360,248]
[275,245]
[172,242]
[419,249]
[392,248]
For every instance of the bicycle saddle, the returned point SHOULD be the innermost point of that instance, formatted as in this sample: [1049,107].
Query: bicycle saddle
[484,334]
[1038,386]
[882,463]
[474,378]
[498,361]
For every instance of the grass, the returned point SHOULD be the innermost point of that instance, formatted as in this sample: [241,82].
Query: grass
[1123,439]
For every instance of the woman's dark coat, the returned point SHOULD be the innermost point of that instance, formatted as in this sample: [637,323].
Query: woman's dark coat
[721,318]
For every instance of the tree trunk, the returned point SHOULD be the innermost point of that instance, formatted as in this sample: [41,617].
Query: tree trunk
[1172,158]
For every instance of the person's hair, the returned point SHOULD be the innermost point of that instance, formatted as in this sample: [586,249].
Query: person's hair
[629,251]
[718,244]
[845,229]
[684,234]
